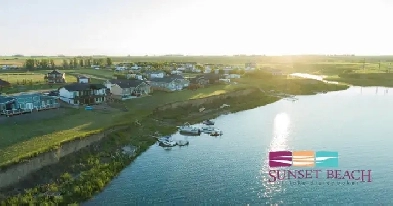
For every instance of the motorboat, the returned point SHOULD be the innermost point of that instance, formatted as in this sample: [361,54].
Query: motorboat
[208,122]
[208,129]
[216,133]
[168,143]
[162,139]
[182,142]
[187,128]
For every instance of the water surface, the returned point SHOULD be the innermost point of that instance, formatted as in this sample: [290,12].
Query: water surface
[232,169]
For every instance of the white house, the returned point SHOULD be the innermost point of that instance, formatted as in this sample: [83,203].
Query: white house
[8,66]
[82,93]
[136,67]
[233,76]
[176,72]
[95,66]
[208,70]
[120,68]
[83,79]
[155,74]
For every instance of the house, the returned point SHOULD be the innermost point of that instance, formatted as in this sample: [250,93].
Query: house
[4,84]
[83,79]
[276,72]
[55,77]
[134,76]
[211,78]
[250,65]
[155,74]
[176,72]
[233,76]
[8,66]
[95,66]
[83,93]
[170,83]
[26,102]
[127,88]
[199,80]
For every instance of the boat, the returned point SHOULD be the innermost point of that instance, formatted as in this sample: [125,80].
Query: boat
[216,133]
[208,122]
[208,129]
[162,139]
[168,143]
[187,128]
[183,142]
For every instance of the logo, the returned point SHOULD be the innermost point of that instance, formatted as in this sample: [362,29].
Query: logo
[315,161]
[303,159]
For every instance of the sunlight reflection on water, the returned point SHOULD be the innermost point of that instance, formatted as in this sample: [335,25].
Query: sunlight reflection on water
[279,142]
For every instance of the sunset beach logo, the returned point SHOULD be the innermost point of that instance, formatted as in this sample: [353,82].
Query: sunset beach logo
[303,159]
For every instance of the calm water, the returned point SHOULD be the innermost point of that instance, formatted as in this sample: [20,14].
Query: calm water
[232,169]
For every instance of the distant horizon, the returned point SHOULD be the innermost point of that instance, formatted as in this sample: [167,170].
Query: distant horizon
[196,27]
[195,55]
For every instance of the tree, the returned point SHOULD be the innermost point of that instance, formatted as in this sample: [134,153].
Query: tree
[75,63]
[71,63]
[29,64]
[108,62]
[52,63]
[81,63]
[65,64]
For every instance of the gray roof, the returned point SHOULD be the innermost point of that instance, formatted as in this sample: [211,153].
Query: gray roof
[4,83]
[154,72]
[126,83]
[55,72]
[5,100]
[165,79]
[83,86]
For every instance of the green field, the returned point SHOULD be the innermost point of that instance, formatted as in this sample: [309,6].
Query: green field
[24,139]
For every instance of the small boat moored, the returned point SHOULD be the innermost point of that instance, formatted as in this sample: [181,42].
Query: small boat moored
[208,122]
[216,133]
[168,143]
[183,142]
[187,128]
[208,129]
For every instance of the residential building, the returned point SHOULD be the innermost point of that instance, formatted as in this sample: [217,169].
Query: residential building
[83,93]
[26,102]
[233,76]
[55,77]
[127,88]
[154,74]
[170,83]
[250,65]
[211,78]
[83,79]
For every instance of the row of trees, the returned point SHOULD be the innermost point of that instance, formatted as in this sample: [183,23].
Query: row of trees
[67,63]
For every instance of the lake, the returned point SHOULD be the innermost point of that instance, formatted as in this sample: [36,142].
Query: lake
[233,168]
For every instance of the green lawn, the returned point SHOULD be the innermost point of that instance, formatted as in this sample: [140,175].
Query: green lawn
[364,79]
[24,139]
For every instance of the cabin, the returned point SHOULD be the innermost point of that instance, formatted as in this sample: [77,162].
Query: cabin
[83,93]
[83,79]
[27,102]
[127,88]
[55,77]
[170,83]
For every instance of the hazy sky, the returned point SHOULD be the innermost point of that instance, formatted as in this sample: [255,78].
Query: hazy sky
[195,27]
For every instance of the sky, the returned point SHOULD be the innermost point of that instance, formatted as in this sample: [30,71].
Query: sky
[195,27]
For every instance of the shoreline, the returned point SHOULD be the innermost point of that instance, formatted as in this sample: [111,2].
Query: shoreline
[97,164]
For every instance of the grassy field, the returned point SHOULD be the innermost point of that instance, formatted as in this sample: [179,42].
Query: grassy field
[30,81]
[23,139]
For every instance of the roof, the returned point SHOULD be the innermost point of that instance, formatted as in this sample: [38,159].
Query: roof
[55,72]
[4,100]
[177,76]
[126,83]
[165,79]
[4,83]
[210,76]
[154,72]
[83,86]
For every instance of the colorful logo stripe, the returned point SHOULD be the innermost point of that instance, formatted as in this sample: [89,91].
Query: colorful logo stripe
[303,159]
